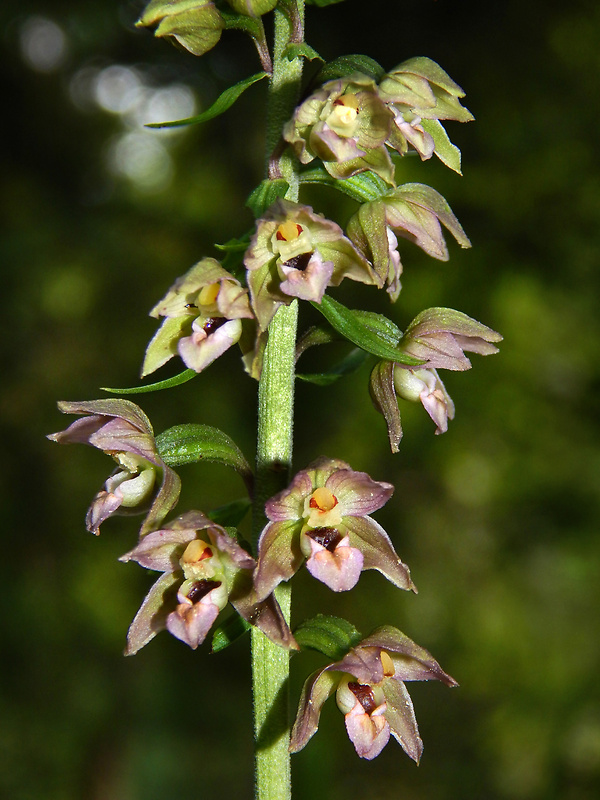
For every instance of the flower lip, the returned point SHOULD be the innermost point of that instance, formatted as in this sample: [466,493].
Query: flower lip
[329,538]
[200,589]
[364,694]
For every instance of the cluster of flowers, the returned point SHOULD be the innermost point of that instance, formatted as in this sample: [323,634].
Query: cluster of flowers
[323,517]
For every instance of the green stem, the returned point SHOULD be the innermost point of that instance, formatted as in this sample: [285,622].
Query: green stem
[270,663]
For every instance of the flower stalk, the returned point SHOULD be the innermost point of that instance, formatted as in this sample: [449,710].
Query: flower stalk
[270,663]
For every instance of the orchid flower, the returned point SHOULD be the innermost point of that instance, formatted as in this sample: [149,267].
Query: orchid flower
[322,517]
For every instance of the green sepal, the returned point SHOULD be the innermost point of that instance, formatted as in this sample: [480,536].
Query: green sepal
[176,380]
[265,194]
[301,50]
[186,444]
[347,365]
[372,332]
[448,153]
[232,513]
[223,102]
[344,66]
[228,632]
[332,636]
[365,187]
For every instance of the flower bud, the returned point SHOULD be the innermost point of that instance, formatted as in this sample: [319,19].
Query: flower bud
[194,24]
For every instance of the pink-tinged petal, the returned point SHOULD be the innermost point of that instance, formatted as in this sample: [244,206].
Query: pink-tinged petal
[400,716]
[378,552]
[369,733]
[201,349]
[340,569]
[103,506]
[318,687]
[436,405]
[279,556]
[364,663]
[78,432]
[411,661]
[120,436]
[228,546]
[152,616]
[161,550]
[165,500]
[267,616]
[289,503]
[330,146]
[124,409]
[308,283]
[233,301]
[357,493]
[383,395]
[190,623]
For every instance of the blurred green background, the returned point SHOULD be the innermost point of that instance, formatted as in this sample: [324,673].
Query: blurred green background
[497,518]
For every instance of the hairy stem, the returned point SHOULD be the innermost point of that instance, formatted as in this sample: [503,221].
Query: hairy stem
[270,663]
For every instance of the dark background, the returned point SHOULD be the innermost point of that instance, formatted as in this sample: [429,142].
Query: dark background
[497,518]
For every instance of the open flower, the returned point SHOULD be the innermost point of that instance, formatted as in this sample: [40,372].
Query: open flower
[440,337]
[322,517]
[419,94]
[344,123]
[142,482]
[297,253]
[370,692]
[413,211]
[203,312]
[203,569]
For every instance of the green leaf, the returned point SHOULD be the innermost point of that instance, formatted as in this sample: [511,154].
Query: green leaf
[344,66]
[186,444]
[350,363]
[221,104]
[265,194]
[372,332]
[232,513]
[301,50]
[316,334]
[332,636]
[225,634]
[364,187]
[176,380]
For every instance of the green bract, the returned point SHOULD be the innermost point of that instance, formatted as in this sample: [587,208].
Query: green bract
[195,24]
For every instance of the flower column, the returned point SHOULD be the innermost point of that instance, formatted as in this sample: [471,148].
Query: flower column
[270,663]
